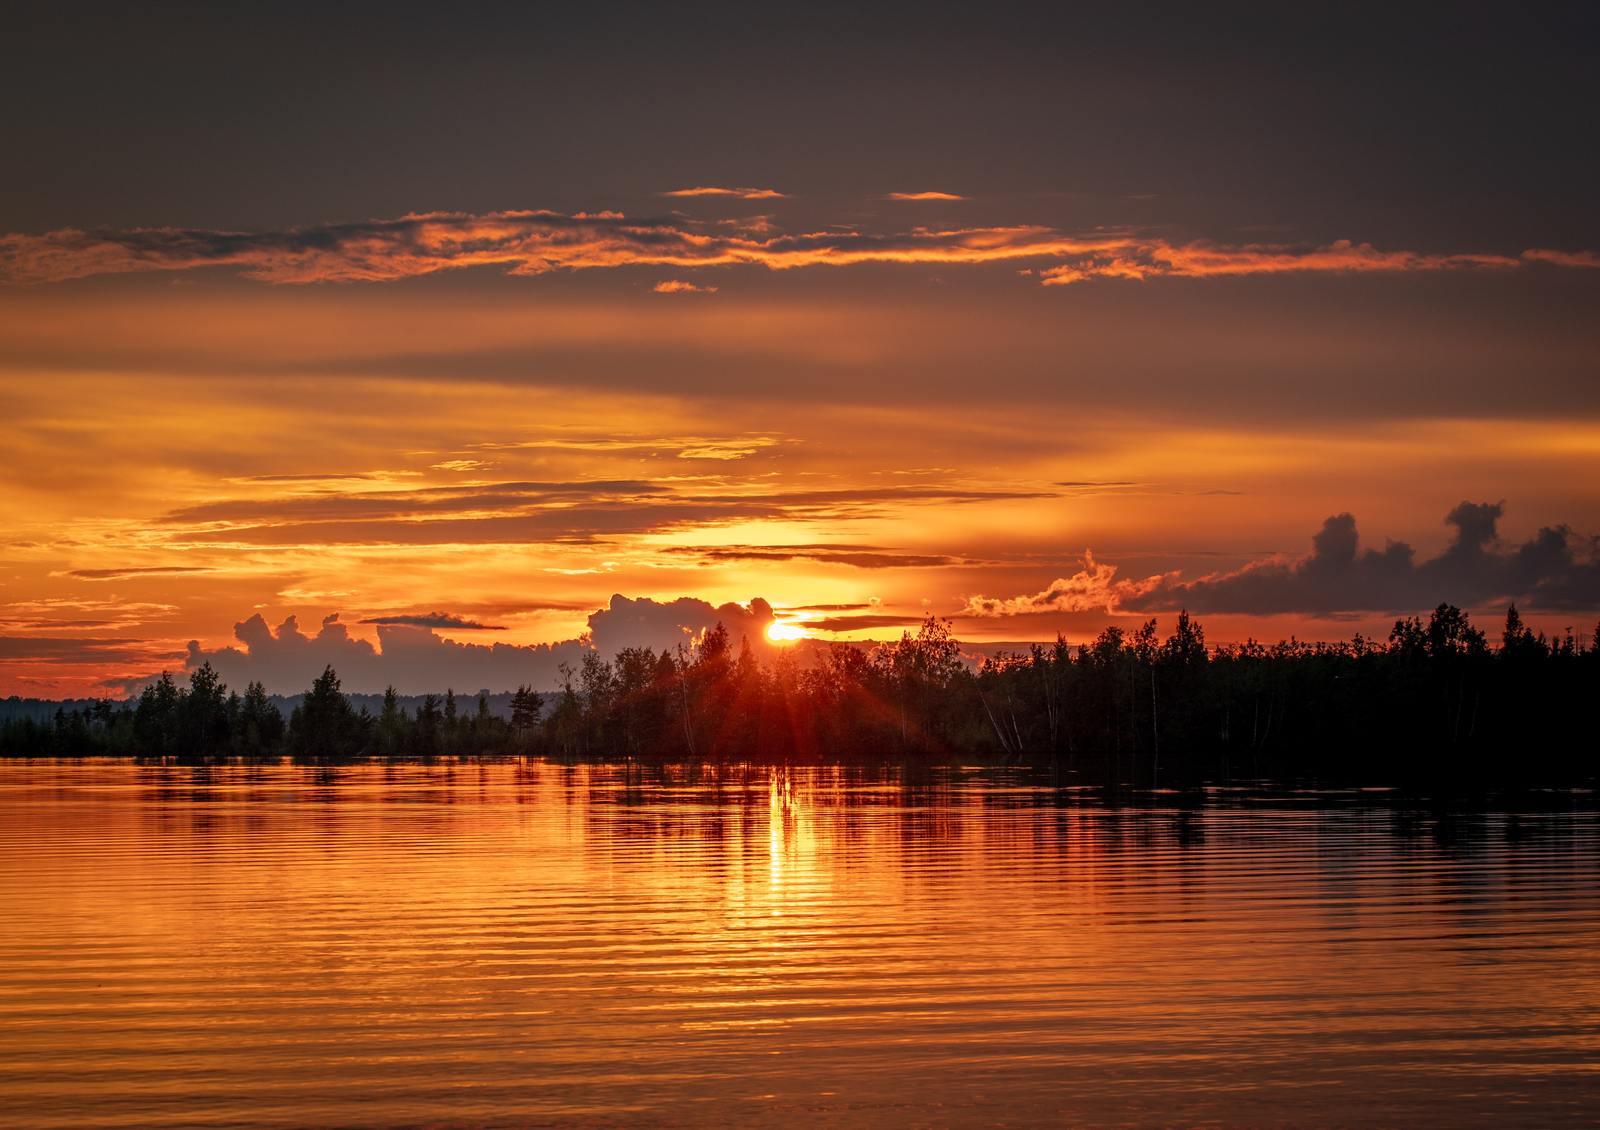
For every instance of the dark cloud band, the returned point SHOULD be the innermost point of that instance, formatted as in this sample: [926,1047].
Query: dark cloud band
[536,242]
[1557,569]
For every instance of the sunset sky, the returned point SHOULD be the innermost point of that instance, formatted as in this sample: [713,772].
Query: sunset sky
[456,328]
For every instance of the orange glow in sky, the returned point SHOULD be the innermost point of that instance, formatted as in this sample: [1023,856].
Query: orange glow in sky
[1068,333]
[513,464]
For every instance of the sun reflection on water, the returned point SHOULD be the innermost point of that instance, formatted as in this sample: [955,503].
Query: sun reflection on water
[462,944]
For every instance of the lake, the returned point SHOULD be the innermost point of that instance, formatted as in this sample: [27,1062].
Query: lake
[535,944]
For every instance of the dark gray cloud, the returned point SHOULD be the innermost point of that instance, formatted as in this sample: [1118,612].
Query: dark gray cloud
[868,495]
[858,556]
[862,623]
[410,655]
[539,511]
[412,659]
[76,649]
[566,524]
[1403,356]
[643,622]
[536,242]
[434,620]
[126,574]
[409,503]
[46,623]
[1556,569]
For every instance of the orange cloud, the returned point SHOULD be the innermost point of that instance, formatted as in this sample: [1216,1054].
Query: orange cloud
[1156,259]
[1554,569]
[741,193]
[127,573]
[922,196]
[1561,258]
[538,242]
[681,286]
[1094,588]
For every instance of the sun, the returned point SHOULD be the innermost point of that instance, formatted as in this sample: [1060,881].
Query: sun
[782,631]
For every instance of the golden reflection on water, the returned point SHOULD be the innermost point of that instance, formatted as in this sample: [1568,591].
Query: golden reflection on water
[515,944]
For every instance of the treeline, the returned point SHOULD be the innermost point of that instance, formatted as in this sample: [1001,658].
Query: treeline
[44,709]
[205,719]
[1435,701]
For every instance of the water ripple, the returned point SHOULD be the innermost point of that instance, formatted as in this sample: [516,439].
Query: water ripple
[531,944]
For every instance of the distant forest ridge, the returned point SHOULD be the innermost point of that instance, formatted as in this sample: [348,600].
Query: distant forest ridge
[1435,700]
[44,709]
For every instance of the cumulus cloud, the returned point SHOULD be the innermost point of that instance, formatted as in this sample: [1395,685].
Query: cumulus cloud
[410,655]
[536,242]
[413,659]
[643,622]
[1092,588]
[1556,569]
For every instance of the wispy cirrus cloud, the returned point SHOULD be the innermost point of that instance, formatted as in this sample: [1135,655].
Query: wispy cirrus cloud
[434,620]
[540,242]
[1158,259]
[623,442]
[725,452]
[556,498]
[923,197]
[125,574]
[858,556]
[739,193]
[522,512]
[865,623]
[57,614]
[682,286]
[411,505]
[361,476]
[1562,258]
[78,649]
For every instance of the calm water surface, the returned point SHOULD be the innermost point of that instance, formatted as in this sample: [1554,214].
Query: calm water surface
[530,944]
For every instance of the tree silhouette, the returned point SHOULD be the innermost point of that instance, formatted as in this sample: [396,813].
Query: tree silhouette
[1434,705]
[525,707]
[325,724]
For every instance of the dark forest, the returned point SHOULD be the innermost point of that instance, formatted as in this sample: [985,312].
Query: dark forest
[1435,703]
